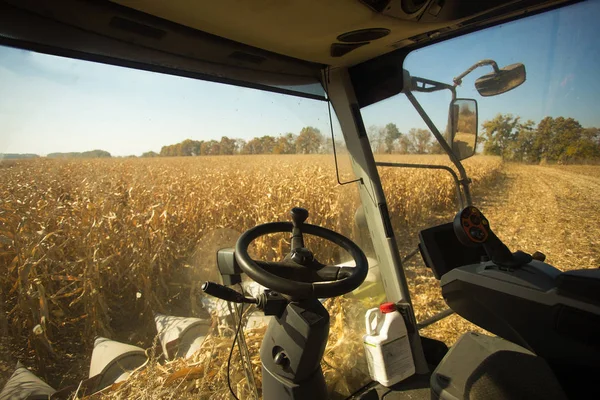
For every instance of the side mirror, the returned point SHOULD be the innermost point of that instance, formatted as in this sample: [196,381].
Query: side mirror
[501,81]
[463,124]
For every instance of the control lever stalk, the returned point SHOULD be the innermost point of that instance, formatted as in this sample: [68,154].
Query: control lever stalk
[225,293]
[299,215]
[272,303]
[299,254]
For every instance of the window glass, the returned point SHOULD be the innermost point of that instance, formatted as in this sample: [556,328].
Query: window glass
[535,171]
[119,186]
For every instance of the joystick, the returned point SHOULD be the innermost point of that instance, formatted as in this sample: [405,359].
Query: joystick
[473,229]
[299,253]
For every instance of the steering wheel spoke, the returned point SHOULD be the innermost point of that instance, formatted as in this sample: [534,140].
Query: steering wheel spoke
[295,272]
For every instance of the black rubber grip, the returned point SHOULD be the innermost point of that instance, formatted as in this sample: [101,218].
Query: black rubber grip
[225,293]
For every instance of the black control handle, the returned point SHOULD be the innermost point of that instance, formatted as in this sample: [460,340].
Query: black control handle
[225,293]
[299,215]
[472,228]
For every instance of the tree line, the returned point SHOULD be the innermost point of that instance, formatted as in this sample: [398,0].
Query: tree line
[383,139]
[85,154]
[561,140]
[17,156]
[308,141]
[388,139]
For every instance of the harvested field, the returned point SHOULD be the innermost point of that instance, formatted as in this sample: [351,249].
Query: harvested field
[92,247]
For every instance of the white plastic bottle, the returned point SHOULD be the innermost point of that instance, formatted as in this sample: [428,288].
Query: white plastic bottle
[387,346]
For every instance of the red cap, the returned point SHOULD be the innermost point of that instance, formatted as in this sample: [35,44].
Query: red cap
[387,307]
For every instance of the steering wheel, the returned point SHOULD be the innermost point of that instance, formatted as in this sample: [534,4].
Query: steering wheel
[300,275]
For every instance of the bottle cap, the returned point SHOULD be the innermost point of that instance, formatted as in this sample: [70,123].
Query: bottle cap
[387,307]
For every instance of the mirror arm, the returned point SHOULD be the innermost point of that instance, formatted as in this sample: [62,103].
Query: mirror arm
[458,80]
[428,86]
[464,179]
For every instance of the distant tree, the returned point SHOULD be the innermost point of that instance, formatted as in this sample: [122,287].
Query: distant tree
[376,135]
[405,145]
[590,142]
[253,146]
[521,146]
[14,156]
[85,154]
[268,144]
[420,140]
[593,135]
[150,154]
[391,135]
[326,146]
[498,134]
[309,140]
[561,140]
[544,144]
[204,149]
[95,154]
[285,144]
[196,146]
[185,148]
[210,148]
[189,148]
[165,151]
[435,147]
[227,146]
[564,140]
[239,145]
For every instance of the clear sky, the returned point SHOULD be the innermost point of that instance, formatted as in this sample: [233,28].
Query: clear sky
[50,104]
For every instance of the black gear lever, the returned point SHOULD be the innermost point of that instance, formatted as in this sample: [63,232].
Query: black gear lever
[299,253]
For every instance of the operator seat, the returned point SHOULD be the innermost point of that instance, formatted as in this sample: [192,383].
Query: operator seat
[481,367]
[551,315]
[554,314]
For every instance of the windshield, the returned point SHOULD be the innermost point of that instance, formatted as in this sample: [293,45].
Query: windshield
[535,173]
[119,186]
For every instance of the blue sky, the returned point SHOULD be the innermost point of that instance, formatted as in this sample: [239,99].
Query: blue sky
[51,104]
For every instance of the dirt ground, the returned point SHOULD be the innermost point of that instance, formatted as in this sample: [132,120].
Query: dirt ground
[555,210]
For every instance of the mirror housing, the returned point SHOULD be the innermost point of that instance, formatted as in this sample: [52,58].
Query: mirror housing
[501,81]
[464,126]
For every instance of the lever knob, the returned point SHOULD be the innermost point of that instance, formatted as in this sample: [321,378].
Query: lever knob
[538,255]
[299,215]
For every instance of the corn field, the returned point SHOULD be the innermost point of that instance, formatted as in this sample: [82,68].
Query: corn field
[93,247]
